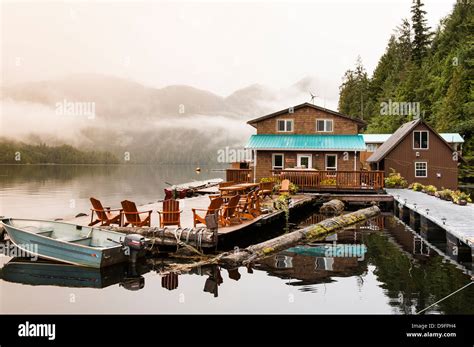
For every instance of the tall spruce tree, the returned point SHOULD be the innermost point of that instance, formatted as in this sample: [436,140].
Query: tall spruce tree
[421,34]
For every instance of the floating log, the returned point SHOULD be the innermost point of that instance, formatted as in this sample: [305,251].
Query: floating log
[267,248]
[196,237]
[333,206]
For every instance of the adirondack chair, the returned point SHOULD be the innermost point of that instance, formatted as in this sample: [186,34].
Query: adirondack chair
[285,186]
[231,211]
[255,206]
[214,207]
[266,189]
[132,215]
[246,206]
[104,215]
[171,214]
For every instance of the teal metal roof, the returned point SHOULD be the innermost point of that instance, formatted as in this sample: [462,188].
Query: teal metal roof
[307,142]
[381,138]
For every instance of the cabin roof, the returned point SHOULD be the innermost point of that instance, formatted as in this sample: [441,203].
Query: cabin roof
[306,104]
[397,137]
[307,142]
[381,138]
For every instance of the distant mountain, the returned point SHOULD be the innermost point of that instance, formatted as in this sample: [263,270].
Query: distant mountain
[176,124]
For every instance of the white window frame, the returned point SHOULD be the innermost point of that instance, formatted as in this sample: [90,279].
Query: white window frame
[310,160]
[427,139]
[326,162]
[286,120]
[426,169]
[326,121]
[372,147]
[282,161]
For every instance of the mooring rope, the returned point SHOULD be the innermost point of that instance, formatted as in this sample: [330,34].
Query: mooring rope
[437,302]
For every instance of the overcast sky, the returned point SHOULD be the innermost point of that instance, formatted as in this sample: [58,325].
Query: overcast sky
[219,46]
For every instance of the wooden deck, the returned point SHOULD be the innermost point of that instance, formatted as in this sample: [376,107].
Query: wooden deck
[459,219]
[202,202]
[318,180]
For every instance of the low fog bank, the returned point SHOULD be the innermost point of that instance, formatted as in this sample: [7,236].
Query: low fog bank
[176,124]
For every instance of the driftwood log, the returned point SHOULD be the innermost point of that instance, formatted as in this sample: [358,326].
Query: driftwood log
[332,207]
[196,237]
[267,248]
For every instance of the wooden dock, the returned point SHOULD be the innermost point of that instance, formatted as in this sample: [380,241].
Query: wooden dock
[202,202]
[455,220]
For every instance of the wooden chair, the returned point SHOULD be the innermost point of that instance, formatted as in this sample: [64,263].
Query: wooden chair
[214,207]
[171,214]
[132,215]
[104,215]
[231,211]
[255,206]
[266,189]
[245,206]
[285,186]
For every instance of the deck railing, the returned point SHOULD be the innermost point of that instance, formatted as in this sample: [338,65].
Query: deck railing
[337,180]
[239,175]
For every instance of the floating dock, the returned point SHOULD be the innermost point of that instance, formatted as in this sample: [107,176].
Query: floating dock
[269,214]
[438,220]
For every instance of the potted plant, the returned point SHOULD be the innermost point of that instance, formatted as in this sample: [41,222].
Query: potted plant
[444,194]
[460,198]
[417,187]
[430,190]
[395,180]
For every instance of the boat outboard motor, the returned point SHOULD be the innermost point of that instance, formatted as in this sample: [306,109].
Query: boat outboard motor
[135,244]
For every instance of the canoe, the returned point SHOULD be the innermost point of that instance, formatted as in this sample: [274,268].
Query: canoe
[67,243]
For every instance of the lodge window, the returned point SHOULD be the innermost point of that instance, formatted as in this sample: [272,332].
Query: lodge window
[331,162]
[324,125]
[277,161]
[304,161]
[420,139]
[371,147]
[421,169]
[285,125]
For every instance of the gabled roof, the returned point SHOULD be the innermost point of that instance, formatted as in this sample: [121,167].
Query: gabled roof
[307,142]
[381,138]
[306,104]
[397,137]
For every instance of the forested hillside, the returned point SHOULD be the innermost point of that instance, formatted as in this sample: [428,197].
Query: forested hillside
[431,68]
[12,152]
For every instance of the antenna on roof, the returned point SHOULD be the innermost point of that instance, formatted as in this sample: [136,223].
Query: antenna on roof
[313,96]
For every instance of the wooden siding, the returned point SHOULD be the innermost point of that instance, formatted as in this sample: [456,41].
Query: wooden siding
[264,161]
[438,156]
[304,122]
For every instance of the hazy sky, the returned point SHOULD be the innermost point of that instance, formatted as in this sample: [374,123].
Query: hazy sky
[219,46]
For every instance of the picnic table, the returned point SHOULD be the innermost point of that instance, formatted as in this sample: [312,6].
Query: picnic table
[238,188]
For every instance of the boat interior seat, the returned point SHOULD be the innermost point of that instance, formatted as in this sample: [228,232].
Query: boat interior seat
[84,240]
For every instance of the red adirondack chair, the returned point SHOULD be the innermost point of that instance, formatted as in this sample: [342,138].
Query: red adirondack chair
[171,214]
[132,215]
[104,215]
[214,207]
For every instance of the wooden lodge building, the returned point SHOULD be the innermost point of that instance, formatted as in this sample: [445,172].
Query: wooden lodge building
[419,154]
[323,150]
[313,147]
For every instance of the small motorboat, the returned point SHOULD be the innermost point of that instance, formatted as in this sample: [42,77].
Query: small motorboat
[73,244]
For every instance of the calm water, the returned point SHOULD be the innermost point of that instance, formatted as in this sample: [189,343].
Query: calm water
[398,273]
